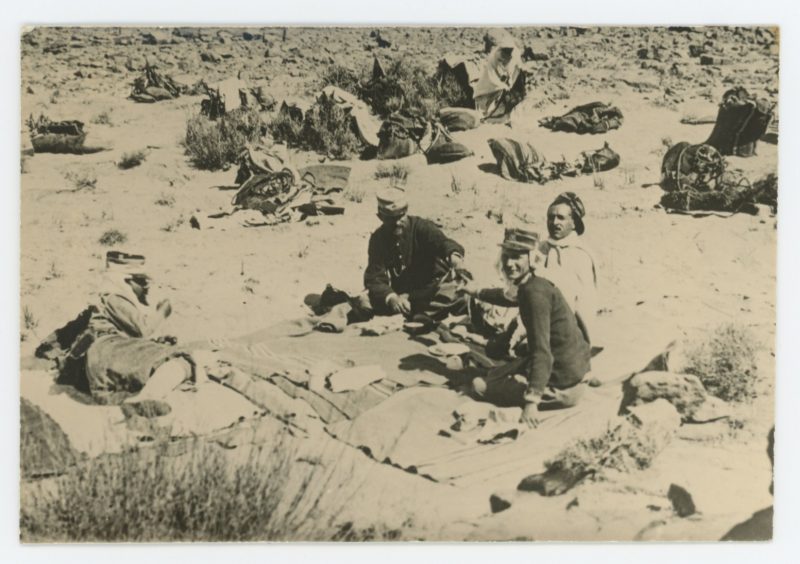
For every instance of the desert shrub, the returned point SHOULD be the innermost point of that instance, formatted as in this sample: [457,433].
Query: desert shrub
[326,128]
[354,194]
[725,363]
[83,179]
[212,145]
[132,159]
[395,171]
[406,86]
[342,77]
[112,237]
[286,129]
[148,495]
[103,118]
[167,200]
[623,448]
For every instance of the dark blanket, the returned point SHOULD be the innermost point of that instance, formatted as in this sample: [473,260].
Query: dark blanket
[595,117]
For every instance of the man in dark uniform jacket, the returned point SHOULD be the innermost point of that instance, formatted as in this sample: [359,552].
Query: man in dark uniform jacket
[550,376]
[409,257]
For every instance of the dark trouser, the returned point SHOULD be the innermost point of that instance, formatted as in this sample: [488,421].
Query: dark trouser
[435,302]
[505,386]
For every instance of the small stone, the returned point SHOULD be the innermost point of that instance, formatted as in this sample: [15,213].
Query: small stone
[498,503]
[682,501]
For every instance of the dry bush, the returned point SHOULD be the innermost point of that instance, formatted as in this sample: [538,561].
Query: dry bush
[623,448]
[174,224]
[406,86]
[53,272]
[285,129]
[354,194]
[112,237]
[103,118]
[148,495]
[167,200]
[29,323]
[132,159]
[342,77]
[326,128]
[84,179]
[396,172]
[725,363]
[213,145]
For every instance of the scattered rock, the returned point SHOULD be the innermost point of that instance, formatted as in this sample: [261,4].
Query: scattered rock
[208,57]
[696,50]
[712,60]
[684,391]
[682,501]
[551,482]
[498,503]
[45,449]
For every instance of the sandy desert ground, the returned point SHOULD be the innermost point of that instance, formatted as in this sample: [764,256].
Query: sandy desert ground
[661,274]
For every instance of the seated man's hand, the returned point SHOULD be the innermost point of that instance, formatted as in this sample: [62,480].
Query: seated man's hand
[399,304]
[456,260]
[470,288]
[530,415]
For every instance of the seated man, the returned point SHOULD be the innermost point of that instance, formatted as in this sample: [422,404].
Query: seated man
[501,84]
[558,354]
[568,264]
[413,267]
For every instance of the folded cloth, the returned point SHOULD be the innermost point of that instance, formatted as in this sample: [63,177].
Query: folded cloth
[335,320]
[378,326]
[355,378]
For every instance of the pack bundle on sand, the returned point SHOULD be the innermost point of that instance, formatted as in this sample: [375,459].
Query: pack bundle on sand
[56,136]
[460,119]
[281,193]
[595,117]
[151,86]
[520,161]
[402,135]
[694,178]
[233,93]
[741,121]
[213,106]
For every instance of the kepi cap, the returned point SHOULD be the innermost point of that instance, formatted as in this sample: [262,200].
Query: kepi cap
[392,202]
[520,240]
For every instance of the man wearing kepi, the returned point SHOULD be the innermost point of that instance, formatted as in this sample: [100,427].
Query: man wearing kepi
[558,352]
[410,263]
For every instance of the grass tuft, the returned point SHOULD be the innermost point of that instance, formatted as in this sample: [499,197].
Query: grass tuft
[131,160]
[113,237]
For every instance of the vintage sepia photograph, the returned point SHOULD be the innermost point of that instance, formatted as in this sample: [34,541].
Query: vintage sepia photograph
[397,283]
